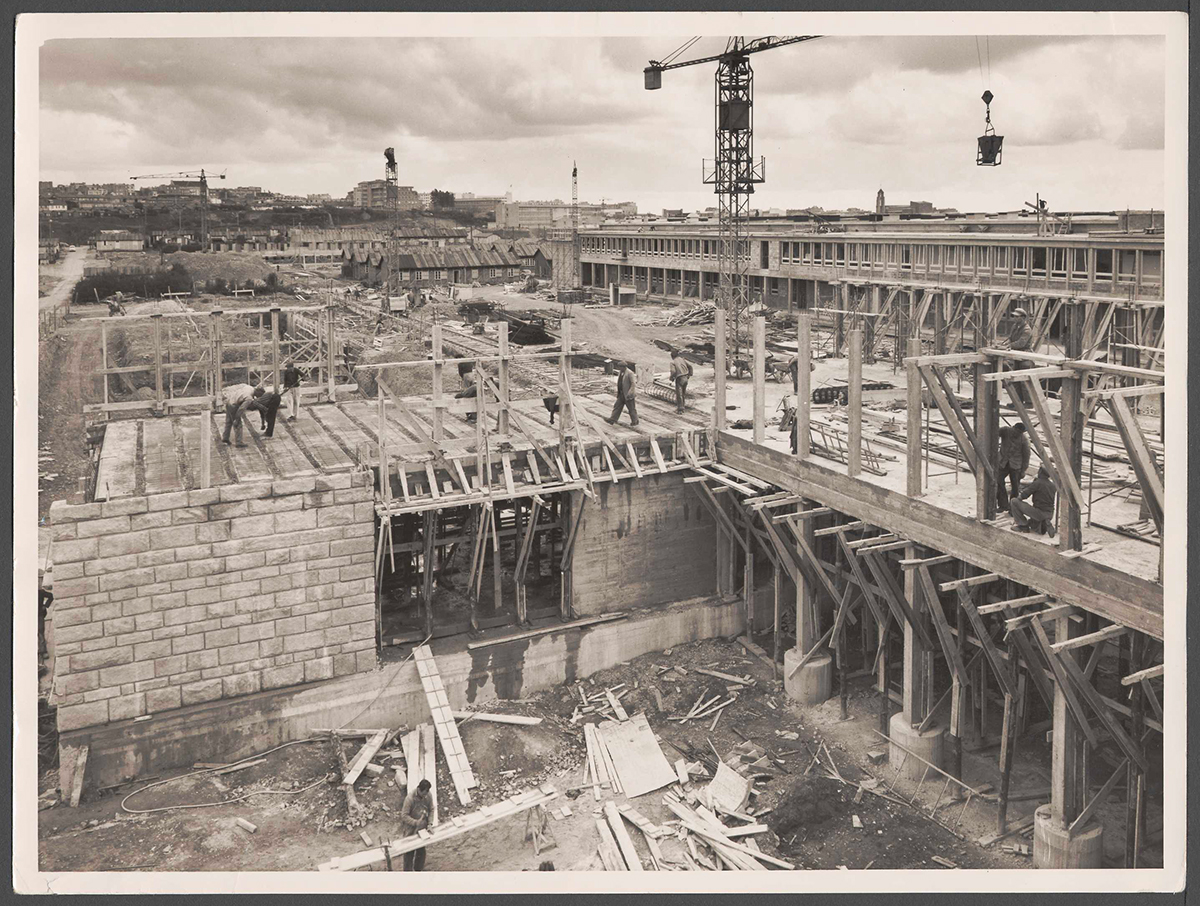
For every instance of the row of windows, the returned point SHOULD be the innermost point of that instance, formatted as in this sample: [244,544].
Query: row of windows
[1032,261]
[1035,261]
[441,274]
[704,249]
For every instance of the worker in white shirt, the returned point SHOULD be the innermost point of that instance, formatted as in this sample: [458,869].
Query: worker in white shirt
[238,398]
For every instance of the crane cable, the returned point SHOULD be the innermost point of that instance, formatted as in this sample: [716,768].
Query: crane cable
[673,55]
[979,57]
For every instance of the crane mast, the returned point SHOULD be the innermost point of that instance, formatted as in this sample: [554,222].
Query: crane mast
[733,172]
[191,174]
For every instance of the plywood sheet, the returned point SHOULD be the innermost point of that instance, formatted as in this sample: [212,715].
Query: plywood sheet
[640,763]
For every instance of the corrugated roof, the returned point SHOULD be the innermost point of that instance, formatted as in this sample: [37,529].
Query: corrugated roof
[427,258]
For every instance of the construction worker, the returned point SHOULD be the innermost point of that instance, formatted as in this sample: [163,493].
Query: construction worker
[1039,515]
[237,400]
[268,407]
[626,393]
[794,368]
[1020,337]
[681,370]
[1012,460]
[470,390]
[414,817]
[291,388]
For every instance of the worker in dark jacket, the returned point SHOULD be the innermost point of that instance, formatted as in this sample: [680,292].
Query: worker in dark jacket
[625,396]
[268,407]
[1012,461]
[681,370]
[414,816]
[1020,337]
[291,388]
[1039,515]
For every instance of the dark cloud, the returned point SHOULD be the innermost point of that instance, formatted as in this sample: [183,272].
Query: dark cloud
[481,113]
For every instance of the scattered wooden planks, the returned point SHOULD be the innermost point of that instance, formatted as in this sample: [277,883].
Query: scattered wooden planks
[361,760]
[443,720]
[610,854]
[511,806]
[624,841]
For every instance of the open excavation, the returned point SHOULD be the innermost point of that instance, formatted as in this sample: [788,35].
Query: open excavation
[755,543]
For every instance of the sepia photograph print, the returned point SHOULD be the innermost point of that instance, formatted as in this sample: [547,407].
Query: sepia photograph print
[479,444]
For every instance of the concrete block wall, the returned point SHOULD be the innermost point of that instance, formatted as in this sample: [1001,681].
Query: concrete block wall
[176,599]
[643,542]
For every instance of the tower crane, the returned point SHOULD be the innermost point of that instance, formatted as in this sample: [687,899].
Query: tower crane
[734,172]
[192,174]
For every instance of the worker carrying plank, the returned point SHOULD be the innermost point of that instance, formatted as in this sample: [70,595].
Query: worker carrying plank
[1012,461]
[626,393]
[414,817]
[1039,515]
[680,372]
[238,398]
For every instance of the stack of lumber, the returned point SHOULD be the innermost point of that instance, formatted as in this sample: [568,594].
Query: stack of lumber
[460,825]
[420,760]
[700,313]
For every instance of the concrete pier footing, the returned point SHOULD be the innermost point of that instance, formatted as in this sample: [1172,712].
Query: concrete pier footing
[812,683]
[927,745]
[1053,847]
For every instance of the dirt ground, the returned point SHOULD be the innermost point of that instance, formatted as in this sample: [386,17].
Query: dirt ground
[301,816]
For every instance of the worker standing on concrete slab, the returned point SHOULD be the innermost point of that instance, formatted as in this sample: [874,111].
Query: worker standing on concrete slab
[1012,461]
[1038,515]
[291,388]
[626,393]
[268,407]
[680,372]
[237,400]
[414,817]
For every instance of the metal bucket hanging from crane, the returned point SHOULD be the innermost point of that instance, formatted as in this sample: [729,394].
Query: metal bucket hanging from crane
[990,144]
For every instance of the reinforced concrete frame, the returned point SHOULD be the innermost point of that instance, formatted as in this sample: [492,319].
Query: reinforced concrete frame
[984,614]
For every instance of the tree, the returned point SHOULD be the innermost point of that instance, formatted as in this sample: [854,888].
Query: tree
[440,199]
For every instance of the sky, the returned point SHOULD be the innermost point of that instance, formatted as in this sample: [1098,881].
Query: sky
[836,118]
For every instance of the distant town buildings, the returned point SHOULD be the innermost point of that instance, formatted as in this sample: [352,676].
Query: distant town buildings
[536,216]
[375,193]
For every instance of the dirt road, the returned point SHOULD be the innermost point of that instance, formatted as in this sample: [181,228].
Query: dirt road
[68,271]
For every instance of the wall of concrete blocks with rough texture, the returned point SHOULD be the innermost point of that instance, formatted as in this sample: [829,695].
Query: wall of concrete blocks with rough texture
[389,697]
[188,597]
[643,542]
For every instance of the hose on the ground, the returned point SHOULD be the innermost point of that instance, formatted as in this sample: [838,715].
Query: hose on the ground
[171,808]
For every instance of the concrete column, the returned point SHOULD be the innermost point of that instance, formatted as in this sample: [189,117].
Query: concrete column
[812,683]
[915,703]
[1053,845]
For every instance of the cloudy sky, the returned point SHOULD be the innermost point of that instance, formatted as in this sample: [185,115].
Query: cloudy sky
[836,118]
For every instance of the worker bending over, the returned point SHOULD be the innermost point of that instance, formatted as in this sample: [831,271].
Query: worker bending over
[1039,515]
[626,392]
[268,407]
[681,370]
[238,398]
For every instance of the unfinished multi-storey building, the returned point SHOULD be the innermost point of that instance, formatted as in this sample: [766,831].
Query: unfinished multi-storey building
[212,599]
